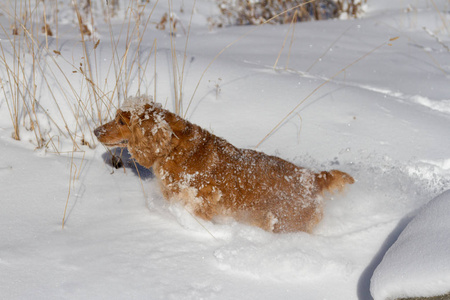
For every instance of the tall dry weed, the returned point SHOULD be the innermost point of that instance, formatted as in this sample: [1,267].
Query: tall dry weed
[244,12]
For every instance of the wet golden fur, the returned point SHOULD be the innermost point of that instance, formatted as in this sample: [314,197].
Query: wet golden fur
[214,179]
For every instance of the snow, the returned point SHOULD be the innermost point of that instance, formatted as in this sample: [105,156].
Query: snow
[135,104]
[381,116]
[418,262]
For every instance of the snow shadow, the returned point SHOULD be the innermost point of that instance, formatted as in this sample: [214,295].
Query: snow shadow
[119,158]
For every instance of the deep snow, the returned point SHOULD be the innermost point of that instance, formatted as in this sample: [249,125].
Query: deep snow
[384,120]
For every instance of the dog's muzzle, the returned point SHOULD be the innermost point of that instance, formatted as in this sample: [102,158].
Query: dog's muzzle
[99,131]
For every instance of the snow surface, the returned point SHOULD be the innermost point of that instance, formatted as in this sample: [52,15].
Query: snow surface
[384,119]
[419,262]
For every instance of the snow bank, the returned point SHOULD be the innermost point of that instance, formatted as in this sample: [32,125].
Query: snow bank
[418,264]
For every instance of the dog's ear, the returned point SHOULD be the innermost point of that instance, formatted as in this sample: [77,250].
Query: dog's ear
[151,138]
[178,125]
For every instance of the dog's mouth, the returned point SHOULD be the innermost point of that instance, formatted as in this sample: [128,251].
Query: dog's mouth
[122,143]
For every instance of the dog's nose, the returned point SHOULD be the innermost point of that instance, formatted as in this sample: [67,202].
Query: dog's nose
[98,131]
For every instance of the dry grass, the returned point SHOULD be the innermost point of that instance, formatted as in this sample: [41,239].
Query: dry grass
[33,38]
[33,67]
[244,12]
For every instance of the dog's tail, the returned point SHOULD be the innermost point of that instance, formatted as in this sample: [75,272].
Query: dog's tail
[333,181]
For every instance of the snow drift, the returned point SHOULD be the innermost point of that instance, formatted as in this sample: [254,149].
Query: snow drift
[418,264]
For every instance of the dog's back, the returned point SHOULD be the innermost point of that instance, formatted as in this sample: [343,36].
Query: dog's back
[250,186]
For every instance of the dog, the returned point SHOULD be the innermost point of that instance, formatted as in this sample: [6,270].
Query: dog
[214,179]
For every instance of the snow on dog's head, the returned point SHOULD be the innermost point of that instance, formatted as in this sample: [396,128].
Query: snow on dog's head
[136,104]
[142,126]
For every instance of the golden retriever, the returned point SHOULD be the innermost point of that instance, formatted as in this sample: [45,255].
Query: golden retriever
[214,179]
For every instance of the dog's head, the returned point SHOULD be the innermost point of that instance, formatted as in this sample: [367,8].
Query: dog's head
[144,129]
[116,133]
